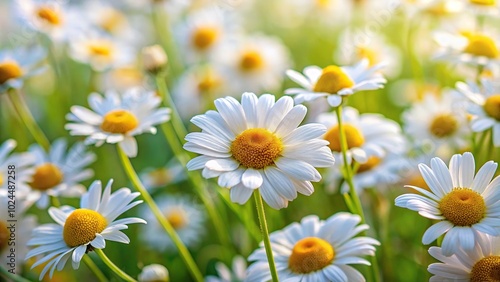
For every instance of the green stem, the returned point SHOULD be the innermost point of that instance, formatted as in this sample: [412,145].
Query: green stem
[176,120]
[185,255]
[113,267]
[28,120]
[11,276]
[242,216]
[93,267]
[265,234]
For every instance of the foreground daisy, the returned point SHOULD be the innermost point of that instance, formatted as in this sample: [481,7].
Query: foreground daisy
[480,264]
[335,82]
[58,173]
[79,231]
[485,107]
[118,118]
[18,65]
[258,144]
[463,204]
[316,250]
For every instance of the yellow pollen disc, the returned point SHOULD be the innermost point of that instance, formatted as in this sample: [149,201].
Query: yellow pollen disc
[204,37]
[354,137]
[177,218]
[4,235]
[332,80]
[371,163]
[369,54]
[81,226]
[49,15]
[1,180]
[323,3]
[481,45]
[100,49]
[484,2]
[256,148]
[9,70]
[463,207]
[208,83]
[486,270]
[492,106]
[112,20]
[160,176]
[251,60]
[46,176]
[119,121]
[443,125]
[310,254]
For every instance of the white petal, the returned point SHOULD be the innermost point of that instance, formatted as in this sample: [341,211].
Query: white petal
[129,146]
[252,178]
[436,230]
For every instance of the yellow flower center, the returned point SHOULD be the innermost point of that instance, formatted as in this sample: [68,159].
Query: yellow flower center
[332,80]
[482,45]
[4,235]
[204,37]
[484,2]
[100,48]
[418,181]
[443,125]
[251,61]
[369,54]
[256,148]
[112,20]
[371,163]
[1,180]
[310,254]
[208,83]
[46,176]
[486,270]
[353,135]
[492,106]
[81,226]
[463,207]
[9,70]
[160,177]
[48,15]
[323,3]
[119,121]
[177,218]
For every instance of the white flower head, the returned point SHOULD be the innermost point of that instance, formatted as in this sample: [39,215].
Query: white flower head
[18,65]
[258,144]
[485,106]
[171,173]
[118,118]
[79,231]
[315,250]
[334,83]
[154,273]
[236,274]
[463,204]
[48,17]
[58,173]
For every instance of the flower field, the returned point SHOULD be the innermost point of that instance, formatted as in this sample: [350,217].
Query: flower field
[250,140]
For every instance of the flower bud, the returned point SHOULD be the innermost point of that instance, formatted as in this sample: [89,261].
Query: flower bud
[154,272]
[154,58]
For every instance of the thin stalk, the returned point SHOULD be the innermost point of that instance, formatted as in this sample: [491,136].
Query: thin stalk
[183,251]
[25,115]
[11,276]
[113,267]
[265,234]
[95,269]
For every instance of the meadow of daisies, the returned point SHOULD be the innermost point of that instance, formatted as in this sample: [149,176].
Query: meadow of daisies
[250,140]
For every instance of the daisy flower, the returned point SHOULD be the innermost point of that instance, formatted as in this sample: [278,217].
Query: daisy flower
[58,173]
[479,264]
[48,17]
[171,173]
[485,106]
[253,63]
[463,204]
[258,145]
[368,135]
[236,274]
[18,65]
[185,216]
[315,250]
[154,273]
[442,121]
[79,231]
[335,82]
[118,118]
[23,167]
[122,78]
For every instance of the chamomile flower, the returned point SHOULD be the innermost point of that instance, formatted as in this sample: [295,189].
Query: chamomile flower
[185,216]
[258,145]
[485,107]
[479,264]
[253,63]
[18,65]
[81,230]
[171,173]
[439,120]
[315,250]
[334,83]
[58,173]
[99,50]
[154,273]
[368,135]
[48,17]
[236,274]
[463,204]
[118,118]
[20,163]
